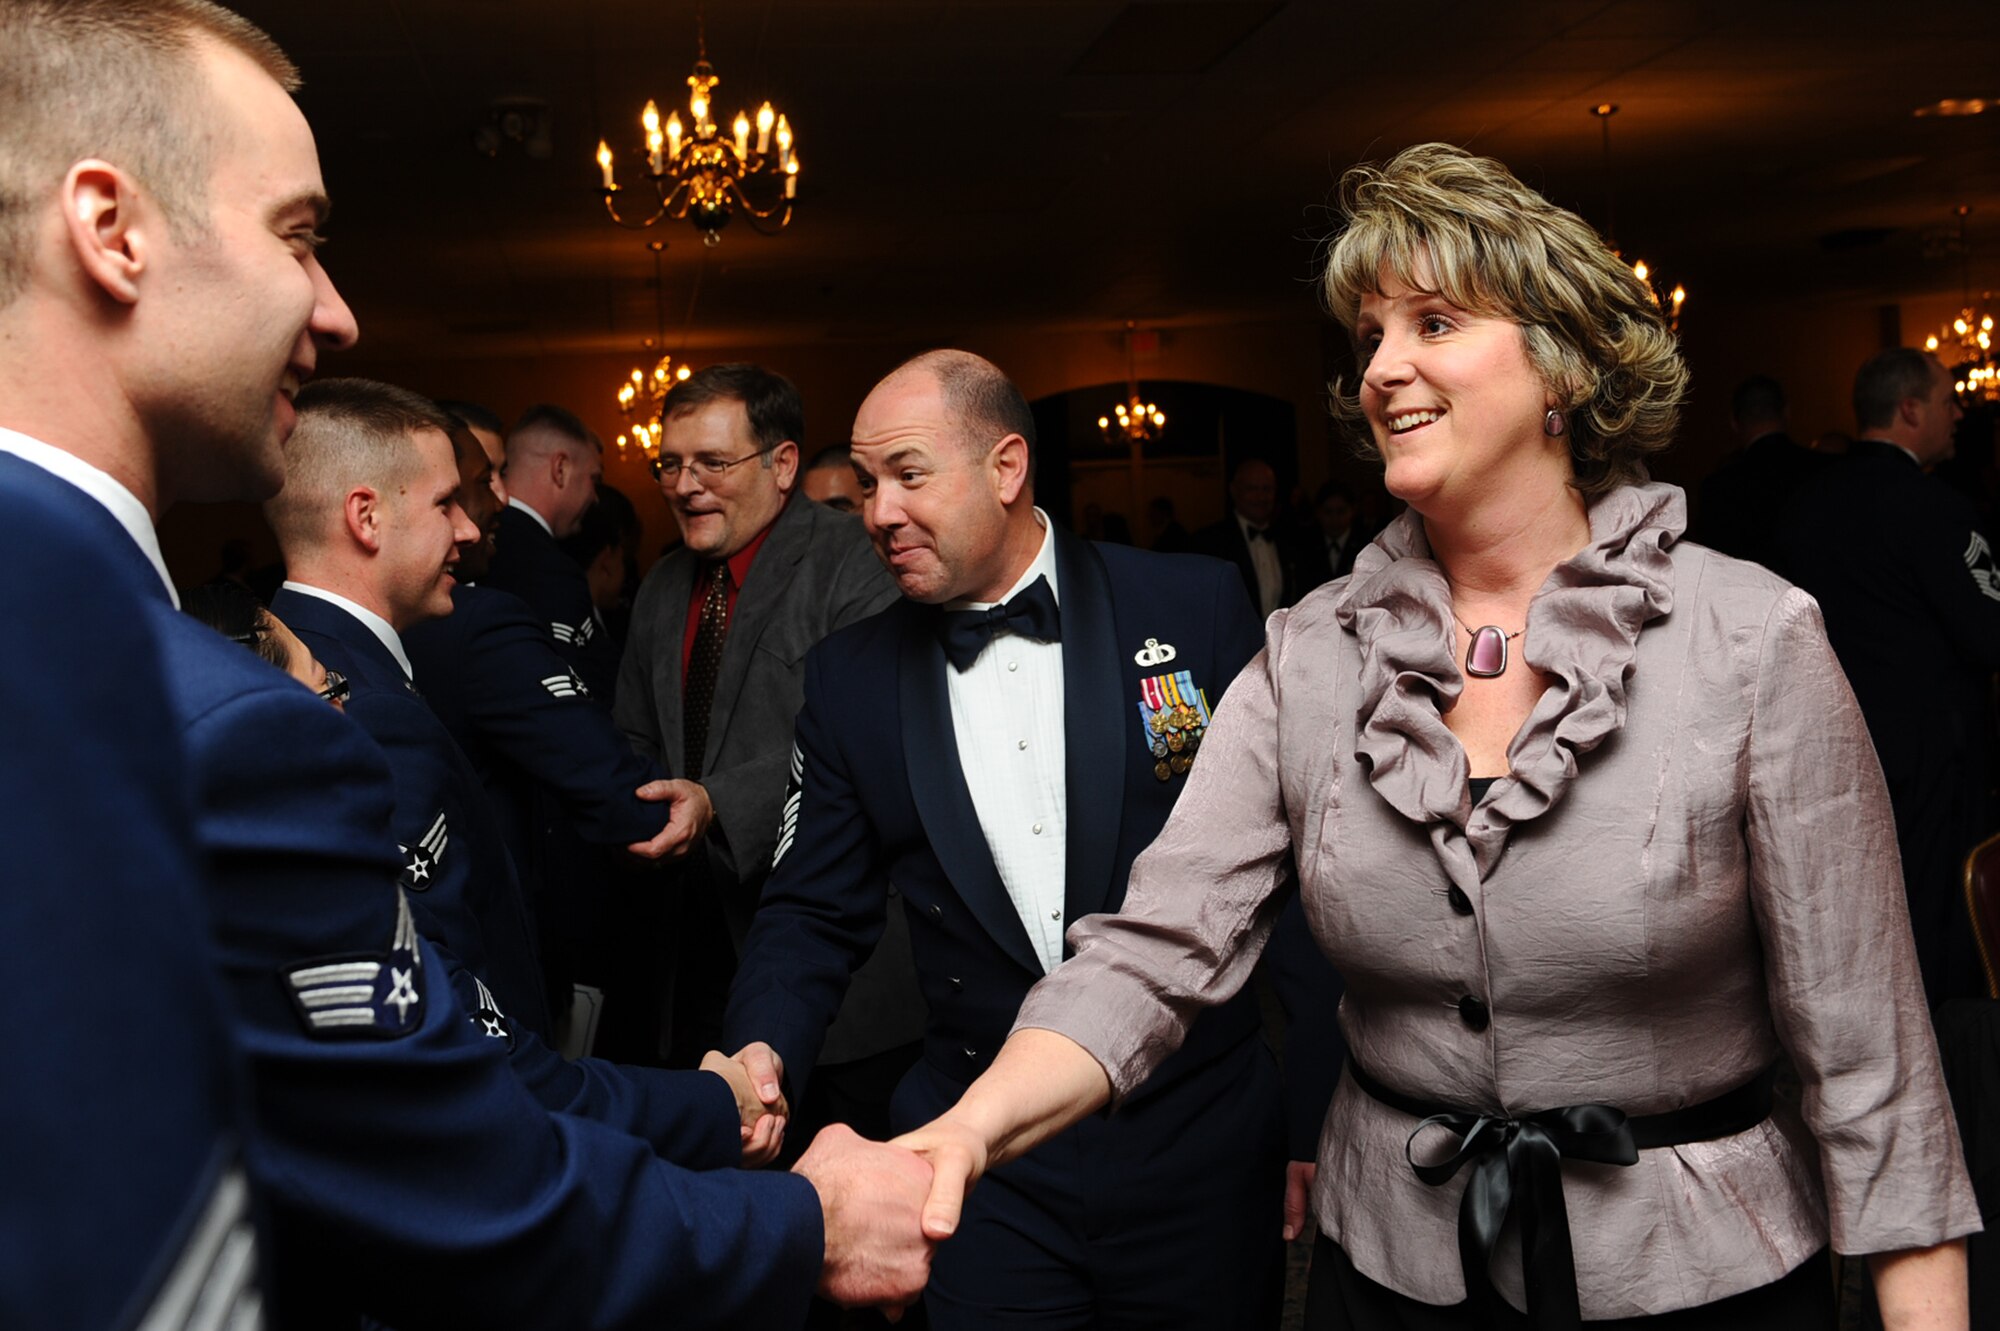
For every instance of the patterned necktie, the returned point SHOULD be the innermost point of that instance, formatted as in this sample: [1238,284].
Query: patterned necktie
[703,666]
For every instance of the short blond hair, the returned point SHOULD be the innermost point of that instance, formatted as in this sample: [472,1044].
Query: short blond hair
[350,432]
[1490,245]
[115,79]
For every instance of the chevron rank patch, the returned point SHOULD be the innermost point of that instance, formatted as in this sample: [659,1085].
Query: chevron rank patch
[576,635]
[420,869]
[363,996]
[788,821]
[569,684]
[488,1017]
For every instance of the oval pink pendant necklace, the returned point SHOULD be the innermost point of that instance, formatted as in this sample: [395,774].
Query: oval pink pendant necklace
[1486,655]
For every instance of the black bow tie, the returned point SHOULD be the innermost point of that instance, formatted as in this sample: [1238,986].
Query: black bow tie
[1259,533]
[1031,613]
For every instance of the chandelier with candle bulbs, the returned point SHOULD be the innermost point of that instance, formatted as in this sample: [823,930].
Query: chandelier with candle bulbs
[643,394]
[1135,420]
[1965,345]
[698,174]
[1669,301]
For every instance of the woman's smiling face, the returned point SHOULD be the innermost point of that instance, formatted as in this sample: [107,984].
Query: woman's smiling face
[1453,401]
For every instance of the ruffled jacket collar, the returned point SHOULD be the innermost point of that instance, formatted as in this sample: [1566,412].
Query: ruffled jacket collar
[1582,632]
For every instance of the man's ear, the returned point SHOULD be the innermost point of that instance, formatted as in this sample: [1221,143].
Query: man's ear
[362,513]
[559,468]
[1010,467]
[785,465]
[109,227]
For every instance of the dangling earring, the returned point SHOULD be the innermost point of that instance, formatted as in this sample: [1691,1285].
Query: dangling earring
[1553,424]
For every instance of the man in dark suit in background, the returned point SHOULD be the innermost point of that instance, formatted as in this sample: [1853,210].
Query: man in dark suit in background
[555,767]
[1002,764]
[1911,595]
[711,685]
[1739,505]
[829,479]
[1277,566]
[1337,524]
[165,258]
[554,464]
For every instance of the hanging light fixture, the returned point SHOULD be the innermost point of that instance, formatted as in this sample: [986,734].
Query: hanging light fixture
[641,397]
[1135,420]
[698,174]
[1965,345]
[1669,301]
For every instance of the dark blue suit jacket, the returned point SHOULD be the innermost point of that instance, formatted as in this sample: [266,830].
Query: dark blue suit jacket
[883,799]
[528,562]
[410,1173]
[493,675]
[461,882]
[556,770]
[468,905]
[120,1110]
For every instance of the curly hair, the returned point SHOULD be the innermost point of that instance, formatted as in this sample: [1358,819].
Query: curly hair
[1438,218]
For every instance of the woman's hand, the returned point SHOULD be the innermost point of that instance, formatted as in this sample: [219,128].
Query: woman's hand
[1922,1289]
[957,1157]
[1299,1176]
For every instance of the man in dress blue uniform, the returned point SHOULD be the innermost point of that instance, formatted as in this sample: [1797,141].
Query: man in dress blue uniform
[1001,744]
[560,777]
[100,1225]
[169,302]
[370,525]
[1911,595]
[554,464]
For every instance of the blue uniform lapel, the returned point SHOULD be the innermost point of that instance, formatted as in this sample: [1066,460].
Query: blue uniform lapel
[937,785]
[367,661]
[1097,721]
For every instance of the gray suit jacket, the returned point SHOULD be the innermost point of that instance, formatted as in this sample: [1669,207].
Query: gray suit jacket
[815,573]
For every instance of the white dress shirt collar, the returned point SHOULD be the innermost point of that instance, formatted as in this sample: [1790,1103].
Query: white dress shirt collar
[373,622]
[540,521]
[1043,566]
[122,504]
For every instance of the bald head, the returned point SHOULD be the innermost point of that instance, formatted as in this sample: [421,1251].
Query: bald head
[981,401]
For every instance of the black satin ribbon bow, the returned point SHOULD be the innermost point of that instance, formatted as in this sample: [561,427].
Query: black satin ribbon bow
[1517,1162]
[1030,612]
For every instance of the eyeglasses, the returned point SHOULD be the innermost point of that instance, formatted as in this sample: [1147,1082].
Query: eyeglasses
[707,469]
[337,688]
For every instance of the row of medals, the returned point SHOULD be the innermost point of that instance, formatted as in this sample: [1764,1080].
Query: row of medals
[1177,732]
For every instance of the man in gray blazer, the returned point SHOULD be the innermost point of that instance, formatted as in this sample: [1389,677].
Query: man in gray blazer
[710,685]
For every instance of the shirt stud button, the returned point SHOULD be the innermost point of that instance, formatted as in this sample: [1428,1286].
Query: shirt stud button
[1473,1012]
[1022,744]
[1055,915]
[1013,665]
[1037,829]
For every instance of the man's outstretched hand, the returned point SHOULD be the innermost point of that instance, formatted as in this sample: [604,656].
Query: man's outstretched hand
[688,818]
[872,1198]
